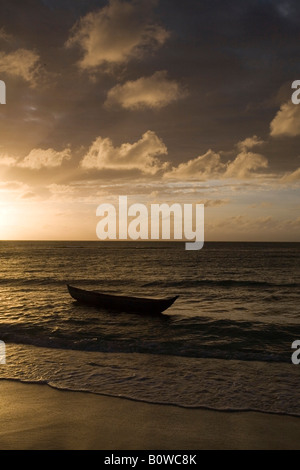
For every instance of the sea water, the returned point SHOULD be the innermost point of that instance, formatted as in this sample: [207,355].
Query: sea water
[225,344]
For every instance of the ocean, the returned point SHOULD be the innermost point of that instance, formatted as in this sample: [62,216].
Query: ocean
[224,345]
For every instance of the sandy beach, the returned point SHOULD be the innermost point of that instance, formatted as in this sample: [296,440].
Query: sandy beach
[39,417]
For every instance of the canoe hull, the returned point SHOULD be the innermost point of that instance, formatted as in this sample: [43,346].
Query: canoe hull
[121,303]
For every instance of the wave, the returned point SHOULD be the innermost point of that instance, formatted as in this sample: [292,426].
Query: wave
[159,283]
[221,283]
[195,338]
[186,382]
[224,409]
[52,281]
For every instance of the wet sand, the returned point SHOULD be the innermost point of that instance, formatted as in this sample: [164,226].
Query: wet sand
[39,417]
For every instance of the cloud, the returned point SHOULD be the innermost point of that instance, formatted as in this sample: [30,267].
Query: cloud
[215,202]
[291,177]
[156,91]
[60,189]
[210,166]
[65,193]
[262,205]
[242,223]
[21,63]
[244,164]
[6,160]
[13,186]
[4,35]
[117,33]
[286,121]
[292,223]
[50,158]
[249,143]
[203,167]
[14,191]
[29,195]
[141,155]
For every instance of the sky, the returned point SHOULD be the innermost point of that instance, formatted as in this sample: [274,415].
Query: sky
[160,100]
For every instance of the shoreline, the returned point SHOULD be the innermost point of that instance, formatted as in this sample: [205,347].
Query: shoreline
[146,402]
[38,416]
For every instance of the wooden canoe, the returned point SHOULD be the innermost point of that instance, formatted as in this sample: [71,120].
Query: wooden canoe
[120,302]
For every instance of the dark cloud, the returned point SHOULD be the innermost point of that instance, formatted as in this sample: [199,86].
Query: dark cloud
[232,57]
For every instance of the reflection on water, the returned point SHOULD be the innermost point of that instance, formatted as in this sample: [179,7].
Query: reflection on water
[237,302]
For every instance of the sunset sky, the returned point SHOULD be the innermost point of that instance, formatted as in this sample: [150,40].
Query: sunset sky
[162,101]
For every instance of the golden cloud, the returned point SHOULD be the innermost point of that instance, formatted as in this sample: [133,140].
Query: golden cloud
[156,91]
[141,155]
[116,33]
